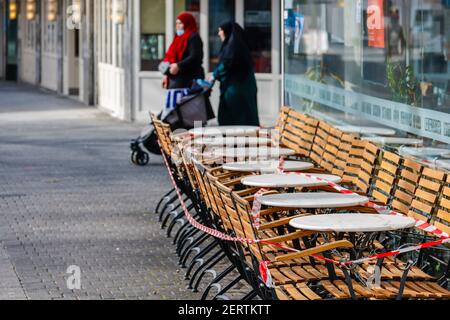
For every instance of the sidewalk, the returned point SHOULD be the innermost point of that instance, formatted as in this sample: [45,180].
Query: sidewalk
[70,196]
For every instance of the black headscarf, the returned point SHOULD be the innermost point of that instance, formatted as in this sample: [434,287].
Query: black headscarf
[235,52]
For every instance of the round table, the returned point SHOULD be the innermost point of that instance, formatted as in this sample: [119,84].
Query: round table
[219,141]
[424,152]
[395,141]
[353,223]
[262,152]
[313,200]
[444,164]
[230,131]
[288,181]
[367,130]
[267,166]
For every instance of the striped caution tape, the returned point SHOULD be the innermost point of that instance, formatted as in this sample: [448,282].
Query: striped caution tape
[264,266]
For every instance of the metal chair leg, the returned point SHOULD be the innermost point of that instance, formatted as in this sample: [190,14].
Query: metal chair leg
[207,268]
[196,243]
[176,221]
[170,205]
[203,252]
[164,199]
[189,236]
[250,296]
[228,287]
[222,276]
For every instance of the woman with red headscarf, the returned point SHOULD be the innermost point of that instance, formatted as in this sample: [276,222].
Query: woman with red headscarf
[185,55]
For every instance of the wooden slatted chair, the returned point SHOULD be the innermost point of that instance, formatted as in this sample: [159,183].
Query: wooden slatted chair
[442,217]
[342,155]
[386,177]
[320,142]
[406,186]
[299,133]
[427,194]
[332,149]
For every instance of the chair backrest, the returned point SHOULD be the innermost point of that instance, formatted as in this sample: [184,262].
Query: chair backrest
[225,194]
[299,132]
[427,194]
[219,209]
[367,167]
[354,160]
[243,211]
[320,142]
[442,217]
[386,177]
[406,185]
[163,132]
[342,155]
[282,118]
[331,150]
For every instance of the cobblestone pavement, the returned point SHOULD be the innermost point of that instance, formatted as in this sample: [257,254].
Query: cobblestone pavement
[70,196]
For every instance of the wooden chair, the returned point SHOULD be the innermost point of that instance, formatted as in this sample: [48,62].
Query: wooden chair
[299,133]
[406,186]
[427,194]
[442,217]
[320,142]
[332,149]
[342,155]
[386,177]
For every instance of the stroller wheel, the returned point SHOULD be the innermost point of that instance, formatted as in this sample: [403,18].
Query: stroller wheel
[134,155]
[142,158]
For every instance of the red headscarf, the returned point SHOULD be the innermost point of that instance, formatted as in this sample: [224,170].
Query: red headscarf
[180,43]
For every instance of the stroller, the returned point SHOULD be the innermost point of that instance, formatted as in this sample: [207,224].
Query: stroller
[193,107]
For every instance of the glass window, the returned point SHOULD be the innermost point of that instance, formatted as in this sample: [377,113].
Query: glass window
[372,62]
[191,6]
[220,11]
[153,34]
[258,26]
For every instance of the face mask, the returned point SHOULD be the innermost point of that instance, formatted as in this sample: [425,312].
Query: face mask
[180,33]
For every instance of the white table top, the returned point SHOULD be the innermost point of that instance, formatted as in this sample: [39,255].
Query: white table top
[262,152]
[288,181]
[445,164]
[219,141]
[267,166]
[353,223]
[395,140]
[313,200]
[225,131]
[424,152]
[367,130]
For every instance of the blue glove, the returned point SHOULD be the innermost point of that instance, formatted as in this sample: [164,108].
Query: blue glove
[204,83]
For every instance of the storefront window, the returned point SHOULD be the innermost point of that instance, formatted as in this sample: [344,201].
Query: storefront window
[191,6]
[371,62]
[220,11]
[258,26]
[153,26]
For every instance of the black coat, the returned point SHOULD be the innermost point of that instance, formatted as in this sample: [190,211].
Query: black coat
[191,66]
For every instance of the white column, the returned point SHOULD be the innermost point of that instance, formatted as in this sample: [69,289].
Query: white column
[170,22]
[240,12]
[204,31]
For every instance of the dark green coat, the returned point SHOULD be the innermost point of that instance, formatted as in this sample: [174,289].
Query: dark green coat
[238,98]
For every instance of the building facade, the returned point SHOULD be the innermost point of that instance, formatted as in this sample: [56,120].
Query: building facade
[373,62]
[106,52]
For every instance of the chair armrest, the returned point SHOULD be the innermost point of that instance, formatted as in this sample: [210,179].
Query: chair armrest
[269,211]
[279,223]
[315,250]
[248,192]
[288,237]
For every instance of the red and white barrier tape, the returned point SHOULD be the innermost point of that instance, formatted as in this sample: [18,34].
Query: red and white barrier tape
[264,270]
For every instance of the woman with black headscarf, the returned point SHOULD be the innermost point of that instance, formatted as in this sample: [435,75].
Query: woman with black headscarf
[238,97]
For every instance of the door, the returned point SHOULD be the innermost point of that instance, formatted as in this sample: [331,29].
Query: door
[71,58]
[11,45]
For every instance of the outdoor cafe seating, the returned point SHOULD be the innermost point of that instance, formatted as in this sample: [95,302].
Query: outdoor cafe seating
[307,212]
